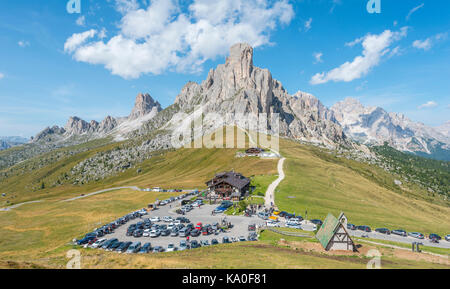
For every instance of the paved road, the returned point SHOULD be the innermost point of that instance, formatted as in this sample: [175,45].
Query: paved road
[202,214]
[400,239]
[270,193]
[102,191]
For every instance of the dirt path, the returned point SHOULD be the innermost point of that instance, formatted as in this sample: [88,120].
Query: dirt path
[16,206]
[102,191]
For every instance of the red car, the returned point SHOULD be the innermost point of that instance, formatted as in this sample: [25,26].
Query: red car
[199,226]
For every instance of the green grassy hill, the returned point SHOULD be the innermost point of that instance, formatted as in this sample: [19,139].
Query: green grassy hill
[37,235]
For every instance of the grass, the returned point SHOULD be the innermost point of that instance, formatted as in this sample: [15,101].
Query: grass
[184,168]
[321,186]
[37,235]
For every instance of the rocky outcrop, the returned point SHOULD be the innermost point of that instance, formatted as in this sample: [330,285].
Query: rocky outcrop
[49,134]
[144,105]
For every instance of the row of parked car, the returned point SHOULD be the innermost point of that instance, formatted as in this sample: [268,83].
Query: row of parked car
[174,229]
[398,232]
[136,247]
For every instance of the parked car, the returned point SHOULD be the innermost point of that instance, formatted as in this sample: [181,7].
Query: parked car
[145,249]
[171,248]
[158,249]
[155,233]
[138,233]
[214,242]
[317,222]
[146,233]
[364,228]
[252,227]
[167,219]
[183,246]
[195,244]
[114,246]
[383,231]
[204,243]
[98,243]
[242,239]
[165,232]
[199,226]
[272,224]
[263,215]
[184,232]
[108,243]
[174,233]
[351,227]
[399,233]
[195,233]
[447,238]
[155,219]
[86,240]
[416,235]
[434,236]
[124,247]
[252,236]
[226,240]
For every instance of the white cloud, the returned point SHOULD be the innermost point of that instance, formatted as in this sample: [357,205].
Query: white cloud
[318,56]
[422,44]
[428,104]
[23,43]
[374,48]
[77,39]
[81,21]
[163,36]
[1,75]
[429,42]
[308,24]
[414,10]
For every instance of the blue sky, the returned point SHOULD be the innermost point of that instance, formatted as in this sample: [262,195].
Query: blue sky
[54,65]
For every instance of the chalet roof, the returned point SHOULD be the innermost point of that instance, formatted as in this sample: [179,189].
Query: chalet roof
[326,232]
[234,179]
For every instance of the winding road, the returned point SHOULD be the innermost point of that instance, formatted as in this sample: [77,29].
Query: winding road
[270,193]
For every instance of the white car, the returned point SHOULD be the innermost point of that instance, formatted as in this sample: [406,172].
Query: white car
[146,233]
[176,222]
[171,248]
[155,219]
[155,233]
[272,224]
[98,243]
[170,226]
[293,225]
[167,219]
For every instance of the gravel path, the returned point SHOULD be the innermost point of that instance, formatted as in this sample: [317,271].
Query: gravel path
[16,206]
[270,193]
[102,191]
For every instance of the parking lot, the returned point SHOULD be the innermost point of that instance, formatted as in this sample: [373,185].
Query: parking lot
[202,214]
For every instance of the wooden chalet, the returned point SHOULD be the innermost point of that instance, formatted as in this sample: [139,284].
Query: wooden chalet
[229,185]
[333,234]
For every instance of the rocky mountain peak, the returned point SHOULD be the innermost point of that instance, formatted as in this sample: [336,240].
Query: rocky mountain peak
[240,60]
[144,104]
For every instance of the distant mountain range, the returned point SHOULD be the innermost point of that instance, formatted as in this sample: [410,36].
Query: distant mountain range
[238,87]
[7,142]
[375,126]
